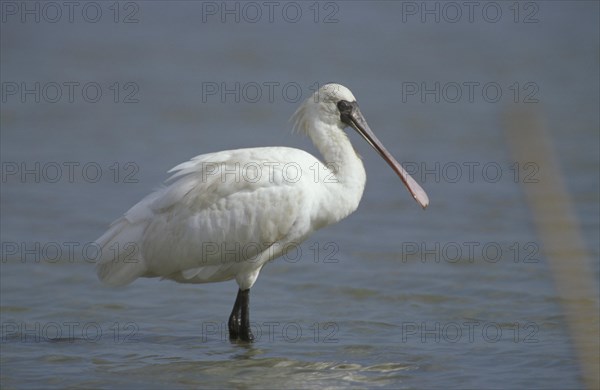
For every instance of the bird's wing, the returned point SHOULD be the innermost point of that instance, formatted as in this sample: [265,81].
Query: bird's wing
[219,214]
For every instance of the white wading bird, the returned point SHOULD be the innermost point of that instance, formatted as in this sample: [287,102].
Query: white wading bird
[186,230]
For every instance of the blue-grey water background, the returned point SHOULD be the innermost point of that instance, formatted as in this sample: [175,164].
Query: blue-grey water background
[355,306]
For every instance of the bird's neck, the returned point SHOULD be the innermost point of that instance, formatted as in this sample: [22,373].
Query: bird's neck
[349,177]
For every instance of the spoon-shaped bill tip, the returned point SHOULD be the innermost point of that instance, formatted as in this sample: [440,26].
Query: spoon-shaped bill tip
[417,191]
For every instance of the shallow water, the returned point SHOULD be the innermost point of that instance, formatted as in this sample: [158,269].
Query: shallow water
[391,297]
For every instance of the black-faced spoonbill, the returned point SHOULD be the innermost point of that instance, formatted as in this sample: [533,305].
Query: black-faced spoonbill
[255,201]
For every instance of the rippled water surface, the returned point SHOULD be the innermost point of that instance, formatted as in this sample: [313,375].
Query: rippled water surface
[457,296]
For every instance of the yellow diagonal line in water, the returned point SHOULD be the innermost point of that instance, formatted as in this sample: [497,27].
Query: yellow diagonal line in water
[561,241]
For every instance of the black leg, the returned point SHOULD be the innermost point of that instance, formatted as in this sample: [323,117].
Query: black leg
[239,320]
[245,331]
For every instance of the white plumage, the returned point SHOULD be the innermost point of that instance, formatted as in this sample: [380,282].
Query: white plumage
[223,215]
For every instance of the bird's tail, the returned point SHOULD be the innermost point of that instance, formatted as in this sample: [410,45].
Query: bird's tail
[121,260]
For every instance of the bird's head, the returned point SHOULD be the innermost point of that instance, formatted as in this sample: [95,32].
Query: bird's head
[322,106]
[334,106]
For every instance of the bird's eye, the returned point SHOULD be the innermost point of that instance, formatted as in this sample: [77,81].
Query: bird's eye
[344,106]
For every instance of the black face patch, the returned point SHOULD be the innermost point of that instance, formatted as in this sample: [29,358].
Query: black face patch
[344,105]
[345,109]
